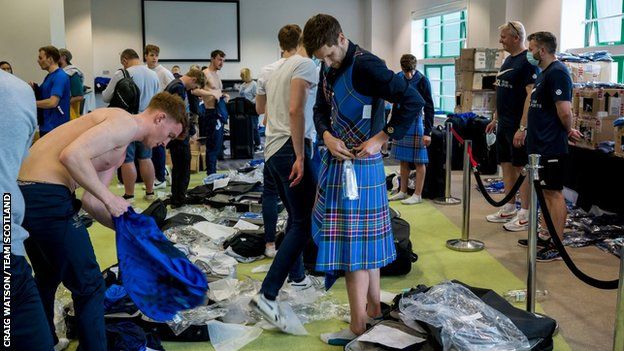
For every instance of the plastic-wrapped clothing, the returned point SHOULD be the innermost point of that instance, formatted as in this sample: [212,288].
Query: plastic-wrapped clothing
[157,276]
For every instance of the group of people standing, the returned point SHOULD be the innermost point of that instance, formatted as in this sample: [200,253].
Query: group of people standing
[335,195]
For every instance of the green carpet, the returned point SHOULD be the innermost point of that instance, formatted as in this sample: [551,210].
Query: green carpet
[429,231]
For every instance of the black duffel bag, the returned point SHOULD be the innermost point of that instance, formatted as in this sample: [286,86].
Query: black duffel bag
[405,256]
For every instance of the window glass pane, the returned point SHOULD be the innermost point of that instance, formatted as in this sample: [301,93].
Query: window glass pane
[448,104]
[451,31]
[436,101]
[452,17]
[434,34]
[435,87]
[448,87]
[450,49]
[434,50]
[433,73]
[609,30]
[448,72]
[433,20]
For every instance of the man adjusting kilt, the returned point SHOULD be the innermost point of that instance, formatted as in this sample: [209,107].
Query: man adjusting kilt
[351,224]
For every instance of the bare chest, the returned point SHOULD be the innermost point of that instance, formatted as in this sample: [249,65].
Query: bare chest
[109,159]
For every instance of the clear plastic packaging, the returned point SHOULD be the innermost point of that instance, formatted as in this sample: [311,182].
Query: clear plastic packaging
[223,289]
[216,265]
[239,312]
[196,316]
[187,236]
[231,337]
[62,301]
[349,181]
[466,322]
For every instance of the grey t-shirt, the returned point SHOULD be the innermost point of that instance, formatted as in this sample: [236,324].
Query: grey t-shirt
[18,121]
[144,78]
[278,101]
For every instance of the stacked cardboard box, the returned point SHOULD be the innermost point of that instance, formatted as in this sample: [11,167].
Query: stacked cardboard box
[595,110]
[475,76]
[582,72]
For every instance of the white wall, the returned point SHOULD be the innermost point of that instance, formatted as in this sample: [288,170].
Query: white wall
[78,36]
[26,26]
[117,25]
[540,15]
[381,29]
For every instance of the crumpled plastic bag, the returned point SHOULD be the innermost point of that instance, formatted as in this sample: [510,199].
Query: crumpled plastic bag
[196,316]
[231,337]
[467,323]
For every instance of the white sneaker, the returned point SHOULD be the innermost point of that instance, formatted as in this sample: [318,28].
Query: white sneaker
[341,338]
[269,310]
[157,185]
[269,251]
[503,215]
[306,283]
[519,223]
[61,345]
[399,196]
[412,200]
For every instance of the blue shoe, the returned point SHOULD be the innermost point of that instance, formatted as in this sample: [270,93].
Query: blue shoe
[548,254]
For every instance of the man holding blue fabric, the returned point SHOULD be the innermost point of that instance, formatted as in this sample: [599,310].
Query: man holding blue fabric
[55,90]
[549,129]
[85,153]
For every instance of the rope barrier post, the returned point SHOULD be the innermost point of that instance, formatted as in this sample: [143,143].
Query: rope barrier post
[448,199]
[618,340]
[534,161]
[465,244]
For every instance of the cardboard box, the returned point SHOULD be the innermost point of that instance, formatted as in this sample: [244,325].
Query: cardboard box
[195,161]
[481,59]
[589,71]
[594,130]
[469,80]
[618,136]
[480,102]
[594,102]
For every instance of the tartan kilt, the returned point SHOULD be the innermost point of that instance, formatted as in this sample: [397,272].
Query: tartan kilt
[411,148]
[352,234]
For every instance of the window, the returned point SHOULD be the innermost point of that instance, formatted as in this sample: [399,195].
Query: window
[442,78]
[436,41]
[444,35]
[604,23]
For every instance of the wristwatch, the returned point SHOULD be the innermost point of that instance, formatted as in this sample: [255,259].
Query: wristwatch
[522,128]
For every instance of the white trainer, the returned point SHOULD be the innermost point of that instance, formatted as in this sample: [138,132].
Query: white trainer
[269,310]
[306,283]
[399,196]
[412,200]
[270,251]
[519,223]
[504,215]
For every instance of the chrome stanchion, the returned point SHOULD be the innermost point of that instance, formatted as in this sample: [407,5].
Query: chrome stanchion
[618,339]
[534,167]
[465,244]
[448,199]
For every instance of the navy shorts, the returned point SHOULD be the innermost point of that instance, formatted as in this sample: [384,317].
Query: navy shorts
[505,149]
[138,150]
[552,171]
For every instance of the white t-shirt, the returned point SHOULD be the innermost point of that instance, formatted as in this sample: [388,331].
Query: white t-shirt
[278,101]
[265,74]
[145,79]
[164,76]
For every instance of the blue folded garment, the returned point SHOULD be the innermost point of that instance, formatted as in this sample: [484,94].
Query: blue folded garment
[618,122]
[158,277]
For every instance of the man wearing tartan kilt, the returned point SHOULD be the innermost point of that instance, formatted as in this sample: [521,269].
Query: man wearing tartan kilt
[354,235]
[413,147]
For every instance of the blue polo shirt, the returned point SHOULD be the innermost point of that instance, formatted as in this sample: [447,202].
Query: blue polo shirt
[546,135]
[56,84]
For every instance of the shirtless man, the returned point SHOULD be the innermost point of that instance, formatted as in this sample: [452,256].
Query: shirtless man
[211,124]
[85,153]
